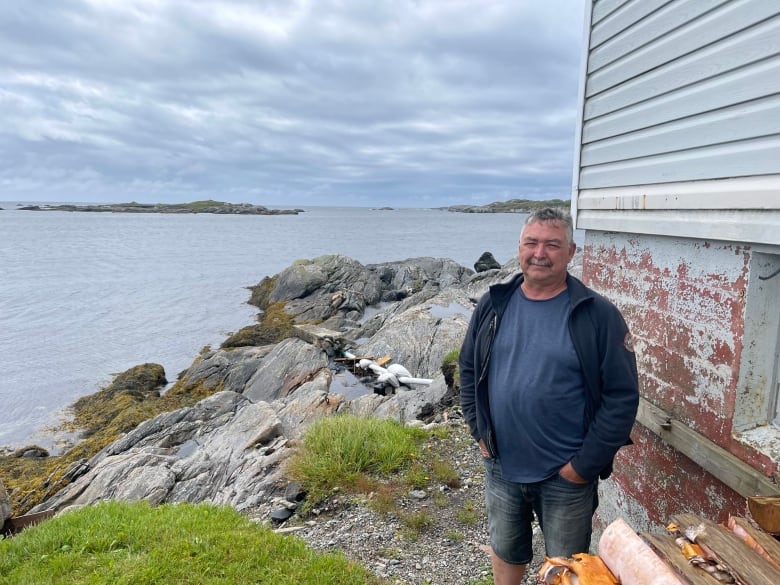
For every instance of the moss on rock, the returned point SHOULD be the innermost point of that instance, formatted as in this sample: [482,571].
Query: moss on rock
[275,325]
[261,292]
[102,418]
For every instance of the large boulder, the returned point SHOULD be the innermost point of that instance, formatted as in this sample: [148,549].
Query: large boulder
[486,262]
[420,336]
[289,364]
[319,288]
[226,369]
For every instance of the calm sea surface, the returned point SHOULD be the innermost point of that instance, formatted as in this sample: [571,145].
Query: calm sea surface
[84,296]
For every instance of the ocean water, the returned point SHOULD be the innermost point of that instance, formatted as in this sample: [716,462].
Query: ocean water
[84,296]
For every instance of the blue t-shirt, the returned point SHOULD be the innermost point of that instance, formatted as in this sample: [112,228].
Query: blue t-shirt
[536,388]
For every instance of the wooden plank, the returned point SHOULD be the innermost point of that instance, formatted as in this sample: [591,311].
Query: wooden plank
[766,512]
[729,469]
[17,524]
[770,544]
[747,564]
[669,552]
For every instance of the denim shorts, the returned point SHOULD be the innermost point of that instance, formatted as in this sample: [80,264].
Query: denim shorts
[564,510]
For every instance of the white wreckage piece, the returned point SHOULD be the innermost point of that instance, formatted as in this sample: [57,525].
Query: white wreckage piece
[394,374]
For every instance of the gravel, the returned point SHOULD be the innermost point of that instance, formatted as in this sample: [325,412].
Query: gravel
[444,543]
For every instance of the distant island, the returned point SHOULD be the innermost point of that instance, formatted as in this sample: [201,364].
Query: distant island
[510,206]
[208,206]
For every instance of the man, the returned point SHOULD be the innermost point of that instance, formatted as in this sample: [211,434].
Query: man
[549,390]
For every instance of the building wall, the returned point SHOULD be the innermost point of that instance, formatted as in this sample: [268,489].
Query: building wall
[680,119]
[687,302]
[677,183]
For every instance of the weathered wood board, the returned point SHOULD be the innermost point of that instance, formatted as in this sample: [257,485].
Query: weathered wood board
[669,552]
[766,512]
[766,541]
[746,563]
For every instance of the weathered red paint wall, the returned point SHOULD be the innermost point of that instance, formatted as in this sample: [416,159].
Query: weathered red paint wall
[684,302]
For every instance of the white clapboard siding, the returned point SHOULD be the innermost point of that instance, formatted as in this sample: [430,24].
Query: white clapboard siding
[679,91]
[693,38]
[667,18]
[719,59]
[752,82]
[735,123]
[680,128]
[620,17]
[758,156]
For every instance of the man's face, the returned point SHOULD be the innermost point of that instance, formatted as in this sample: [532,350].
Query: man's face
[544,253]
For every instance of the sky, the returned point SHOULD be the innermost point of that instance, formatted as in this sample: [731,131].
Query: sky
[406,103]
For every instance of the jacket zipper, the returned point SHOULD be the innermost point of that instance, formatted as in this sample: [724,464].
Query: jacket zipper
[491,337]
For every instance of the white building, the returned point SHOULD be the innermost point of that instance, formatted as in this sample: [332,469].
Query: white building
[677,182]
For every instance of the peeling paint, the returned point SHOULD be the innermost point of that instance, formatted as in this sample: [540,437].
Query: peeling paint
[685,302]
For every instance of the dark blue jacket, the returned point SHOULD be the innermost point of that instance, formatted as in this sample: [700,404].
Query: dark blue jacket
[603,345]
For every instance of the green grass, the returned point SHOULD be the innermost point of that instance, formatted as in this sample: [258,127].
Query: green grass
[450,369]
[339,451]
[468,514]
[123,543]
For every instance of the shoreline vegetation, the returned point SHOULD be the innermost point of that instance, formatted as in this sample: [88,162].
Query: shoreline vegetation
[509,206]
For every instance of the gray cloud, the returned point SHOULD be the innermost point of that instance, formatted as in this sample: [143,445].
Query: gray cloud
[306,102]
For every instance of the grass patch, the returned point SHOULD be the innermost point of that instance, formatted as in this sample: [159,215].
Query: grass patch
[443,472]
[417,522]
[454,536]
[449,367]
[338,451]
[468,514]
[116,542]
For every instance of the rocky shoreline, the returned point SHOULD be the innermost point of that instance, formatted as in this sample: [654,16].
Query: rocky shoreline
[509,206]
[264,387]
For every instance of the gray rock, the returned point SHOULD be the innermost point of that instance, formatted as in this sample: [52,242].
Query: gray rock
[343,286]
[486,262]
[228,369]
[230,448]
[6,511]
[289,364]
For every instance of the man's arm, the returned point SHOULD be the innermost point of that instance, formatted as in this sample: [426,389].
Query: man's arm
[468,376]
[613,419]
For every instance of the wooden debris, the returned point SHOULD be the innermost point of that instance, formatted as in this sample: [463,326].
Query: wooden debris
[764,544]
[666,548]
[766,512]
[15,525]
[742,562]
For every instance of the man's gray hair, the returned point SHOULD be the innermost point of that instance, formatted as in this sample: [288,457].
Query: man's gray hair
[557,214]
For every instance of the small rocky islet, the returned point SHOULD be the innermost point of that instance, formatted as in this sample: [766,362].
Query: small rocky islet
[207,206]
